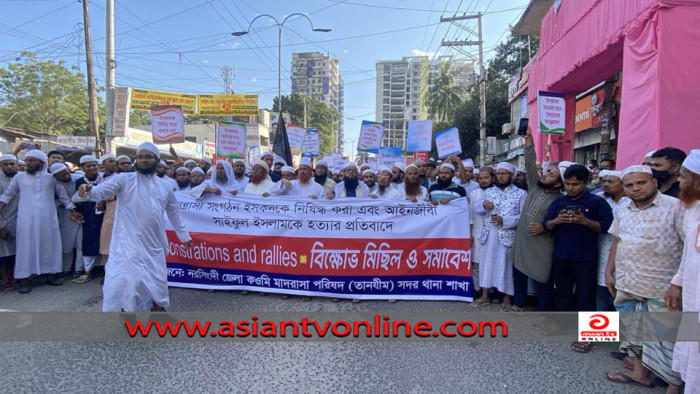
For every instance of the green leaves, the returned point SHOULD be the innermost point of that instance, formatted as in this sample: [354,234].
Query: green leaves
[318,116]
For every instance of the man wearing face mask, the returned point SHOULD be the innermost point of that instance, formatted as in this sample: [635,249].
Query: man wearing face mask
[666,166]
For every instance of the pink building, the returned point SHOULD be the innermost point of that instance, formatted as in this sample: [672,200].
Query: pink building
[653,44]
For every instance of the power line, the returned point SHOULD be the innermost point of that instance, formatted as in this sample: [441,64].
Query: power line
[39,17]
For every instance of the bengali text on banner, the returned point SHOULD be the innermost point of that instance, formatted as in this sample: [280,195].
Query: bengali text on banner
[358,248]
[227,104]
[144,99]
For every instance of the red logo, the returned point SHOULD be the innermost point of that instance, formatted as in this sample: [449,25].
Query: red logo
[599,322]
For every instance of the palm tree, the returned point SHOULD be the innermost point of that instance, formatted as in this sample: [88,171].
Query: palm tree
[443,95]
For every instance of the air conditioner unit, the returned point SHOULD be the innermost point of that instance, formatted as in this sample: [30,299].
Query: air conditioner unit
[507,128]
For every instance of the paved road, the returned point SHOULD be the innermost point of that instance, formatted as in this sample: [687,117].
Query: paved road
[112,367]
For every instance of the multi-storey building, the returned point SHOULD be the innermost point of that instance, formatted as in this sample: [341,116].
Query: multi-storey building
[402,89]
[317,76]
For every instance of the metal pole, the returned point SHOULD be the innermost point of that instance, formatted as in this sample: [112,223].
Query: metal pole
[279,68]
[92,92]
[482,99]
[110,81]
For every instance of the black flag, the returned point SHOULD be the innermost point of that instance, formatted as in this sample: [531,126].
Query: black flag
[280,146]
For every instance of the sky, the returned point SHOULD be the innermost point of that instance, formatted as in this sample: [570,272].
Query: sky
[180,46]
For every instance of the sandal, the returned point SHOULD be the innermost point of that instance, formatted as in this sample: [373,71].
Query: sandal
[512,308]
[83,279]
[581,347]
[621,377]
[628,364]
[479,303]
[507,308]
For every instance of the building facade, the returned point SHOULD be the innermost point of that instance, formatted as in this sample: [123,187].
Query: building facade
[402,87]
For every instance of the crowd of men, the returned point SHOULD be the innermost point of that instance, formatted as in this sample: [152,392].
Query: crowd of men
[548,237]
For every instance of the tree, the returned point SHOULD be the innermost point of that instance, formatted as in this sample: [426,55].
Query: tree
[444,96]
[318,116]
[44,96]
[511,56]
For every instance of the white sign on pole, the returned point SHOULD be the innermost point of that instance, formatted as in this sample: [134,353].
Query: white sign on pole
[447,142]
[551,112]
[311,146]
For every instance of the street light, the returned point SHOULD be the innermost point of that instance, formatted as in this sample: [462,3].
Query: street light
[279,46]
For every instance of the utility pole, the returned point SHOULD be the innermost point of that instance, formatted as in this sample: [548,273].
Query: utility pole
[482,73]
[111,65]
[226,78]
[92,92]
[304,98]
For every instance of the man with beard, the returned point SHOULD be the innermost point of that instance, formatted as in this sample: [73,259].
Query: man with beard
[576,220]
[239,172]
[666,165]
[304,186]
[190,164]
[269,159]
[182,177]
[503,203]
[260,183]
[136,277]
[384,189]
[205,164]
[369,177]
[685,285]
[161,171]
[476,220]
[445,189]
[412,189]
[351,186]
[422,172]
[321,177]
[196,177]
[645,255]
[398,171]
[222,181]
[521,179]
[38,236]
[8,224]
[533,245]
[93,215]
[56,156]
[430,166]
[467,175]
[71,229]
[287,173]
[123,164]
[109,163]
[614,195]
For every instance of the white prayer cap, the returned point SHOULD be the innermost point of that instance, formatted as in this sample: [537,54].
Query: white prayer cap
[187,170]
[8,157]
[280,160]
[163,163]
[261,163]
[365,165]
[369,171]
[400,166]
[305,161]
[197,169]
[80,172]
[565,164]
[99,161]
[123,157]
[188,161]
[322,163]
[476,171]
[522,169]
[448,165]
[650,154]
[288,169]
[349,165]
[468,163]
[633,169]
[206,160]
[150,147]
[235,161]
[418,161]
[383,168]
[412,165]
[36,154]
[108,156]
[605,173]
[58,167]
[87,158]
[504,165]
[69,164]
[692,162]
[266,153]
[20,161]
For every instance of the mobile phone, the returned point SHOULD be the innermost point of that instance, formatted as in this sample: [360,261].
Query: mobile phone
[573,208]
[522,127]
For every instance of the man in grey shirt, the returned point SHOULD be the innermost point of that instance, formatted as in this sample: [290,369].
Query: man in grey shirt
[533,245]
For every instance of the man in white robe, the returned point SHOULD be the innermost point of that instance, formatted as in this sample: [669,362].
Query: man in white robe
[369,177]
[38,234]
[8,225]
[476,220]
[398,172]
[501,206]
[411,187]
[239,173]
[685,285]
[351,186]
[71,230]
[221,181]
[323,177]
[303,186]
[259,183]
[136,277]
[182,177]
[384,189]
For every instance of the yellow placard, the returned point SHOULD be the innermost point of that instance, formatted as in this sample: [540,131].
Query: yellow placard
[144,99]
[227,104]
